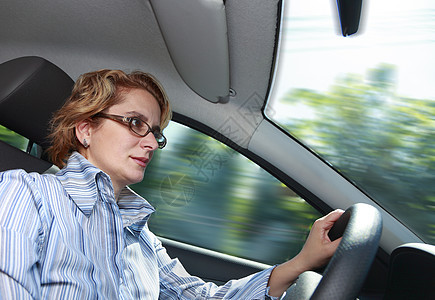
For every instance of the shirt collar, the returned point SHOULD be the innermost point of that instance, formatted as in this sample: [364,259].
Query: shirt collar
[79,178]
[134,209]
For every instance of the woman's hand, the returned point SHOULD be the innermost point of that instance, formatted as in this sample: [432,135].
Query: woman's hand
[317,251]
[318,248]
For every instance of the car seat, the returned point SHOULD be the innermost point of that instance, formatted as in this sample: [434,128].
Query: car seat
[31,90]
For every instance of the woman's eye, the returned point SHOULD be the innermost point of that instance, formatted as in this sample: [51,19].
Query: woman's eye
[137,123]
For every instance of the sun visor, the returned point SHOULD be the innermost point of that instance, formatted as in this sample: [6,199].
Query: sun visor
[195,33]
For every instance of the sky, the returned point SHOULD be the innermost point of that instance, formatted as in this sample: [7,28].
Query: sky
[313,52]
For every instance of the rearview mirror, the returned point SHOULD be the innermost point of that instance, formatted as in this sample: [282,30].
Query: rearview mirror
[349,12]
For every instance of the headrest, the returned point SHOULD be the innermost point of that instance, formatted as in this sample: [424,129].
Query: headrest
[31,90]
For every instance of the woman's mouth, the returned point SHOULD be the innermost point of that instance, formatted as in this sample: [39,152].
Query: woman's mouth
[141,161]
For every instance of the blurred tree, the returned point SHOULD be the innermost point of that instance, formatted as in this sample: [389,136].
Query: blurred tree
[234,206]
[381,141]
[13,138]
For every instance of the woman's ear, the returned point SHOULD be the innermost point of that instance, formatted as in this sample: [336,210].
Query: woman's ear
[83,132]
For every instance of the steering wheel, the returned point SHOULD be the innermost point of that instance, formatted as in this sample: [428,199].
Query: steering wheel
[348,267]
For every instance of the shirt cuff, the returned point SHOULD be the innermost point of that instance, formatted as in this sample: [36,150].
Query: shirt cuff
[268,297]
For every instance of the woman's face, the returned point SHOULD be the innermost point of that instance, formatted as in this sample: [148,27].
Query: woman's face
[115,149]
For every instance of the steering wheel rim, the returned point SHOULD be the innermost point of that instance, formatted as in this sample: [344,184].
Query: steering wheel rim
[351,262]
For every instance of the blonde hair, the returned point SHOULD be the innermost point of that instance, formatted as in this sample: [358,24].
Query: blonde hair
[93,93]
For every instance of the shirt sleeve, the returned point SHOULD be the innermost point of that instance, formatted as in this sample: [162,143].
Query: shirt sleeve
[20,236]
[177,283]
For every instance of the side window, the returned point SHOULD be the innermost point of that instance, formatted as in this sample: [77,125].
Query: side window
[208,195]
[12,138]
[18,141]
[366,103]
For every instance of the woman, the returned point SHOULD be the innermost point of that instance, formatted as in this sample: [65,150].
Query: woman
[83,234]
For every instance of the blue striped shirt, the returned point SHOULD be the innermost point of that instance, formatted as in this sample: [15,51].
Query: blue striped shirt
[64,236]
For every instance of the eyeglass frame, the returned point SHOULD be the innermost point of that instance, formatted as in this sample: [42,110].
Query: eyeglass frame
[125,120]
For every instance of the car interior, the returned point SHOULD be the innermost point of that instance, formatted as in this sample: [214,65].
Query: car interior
[218,62]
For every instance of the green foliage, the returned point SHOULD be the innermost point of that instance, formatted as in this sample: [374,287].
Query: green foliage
[208,195]
[12,138]
[383,142]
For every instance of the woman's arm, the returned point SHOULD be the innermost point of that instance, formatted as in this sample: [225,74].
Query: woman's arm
[20,237]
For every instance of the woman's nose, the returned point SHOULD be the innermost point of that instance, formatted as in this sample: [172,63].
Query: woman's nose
[149,141]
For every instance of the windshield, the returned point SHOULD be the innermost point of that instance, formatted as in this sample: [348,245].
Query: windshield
[365,103]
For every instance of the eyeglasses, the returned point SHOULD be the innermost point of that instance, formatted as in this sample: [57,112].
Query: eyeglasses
[137,126]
